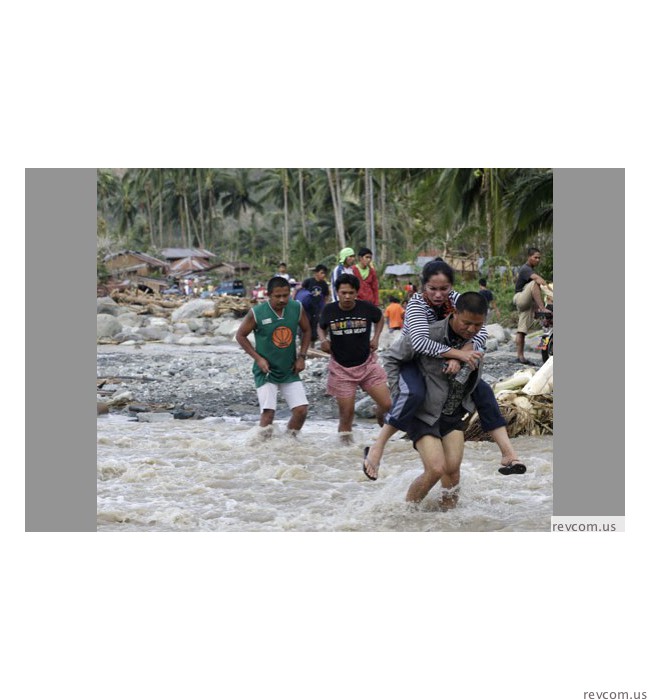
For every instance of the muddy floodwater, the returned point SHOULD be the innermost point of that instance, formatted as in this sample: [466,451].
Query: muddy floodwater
[216,475]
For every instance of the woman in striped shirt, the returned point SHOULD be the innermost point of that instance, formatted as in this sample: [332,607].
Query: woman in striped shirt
[435,303]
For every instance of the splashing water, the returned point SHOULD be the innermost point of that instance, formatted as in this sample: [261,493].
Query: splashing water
[218,475]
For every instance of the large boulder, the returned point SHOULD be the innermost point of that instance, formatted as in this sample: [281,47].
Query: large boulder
[228,327]
[193,309]
[192,340]
[153,332]
[496,331]
[129,318]
[365,407]
[195,324]
[107,326]
[106,305]
[157,321]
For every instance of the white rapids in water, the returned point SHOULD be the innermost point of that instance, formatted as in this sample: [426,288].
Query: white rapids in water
[216,475]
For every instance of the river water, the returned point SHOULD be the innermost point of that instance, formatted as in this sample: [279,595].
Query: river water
[216,475]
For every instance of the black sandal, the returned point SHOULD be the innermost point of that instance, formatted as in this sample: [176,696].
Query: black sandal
[513,467]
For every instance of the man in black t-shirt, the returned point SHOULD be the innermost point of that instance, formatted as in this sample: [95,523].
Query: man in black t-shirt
[344,330]
[313,295]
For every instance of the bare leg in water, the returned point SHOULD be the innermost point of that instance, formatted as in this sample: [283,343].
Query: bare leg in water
[441,461]
[376,452]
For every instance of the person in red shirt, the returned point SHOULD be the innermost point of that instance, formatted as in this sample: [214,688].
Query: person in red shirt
[367,275]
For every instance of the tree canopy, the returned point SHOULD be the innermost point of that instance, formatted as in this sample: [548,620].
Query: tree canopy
[304,216]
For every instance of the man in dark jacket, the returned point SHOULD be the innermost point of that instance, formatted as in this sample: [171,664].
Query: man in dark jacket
[313,295]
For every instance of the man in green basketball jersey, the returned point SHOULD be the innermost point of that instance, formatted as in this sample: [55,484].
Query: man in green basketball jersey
[275,323]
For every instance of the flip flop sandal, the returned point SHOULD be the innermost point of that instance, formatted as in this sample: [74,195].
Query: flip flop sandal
[513,467]
[365,459]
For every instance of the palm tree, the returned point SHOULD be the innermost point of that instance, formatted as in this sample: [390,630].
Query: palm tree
[198,174]
[336,193]
[276,184]
[238,199]
[143,178]
[467,193]
[125,204]
[529,203]
[107,187]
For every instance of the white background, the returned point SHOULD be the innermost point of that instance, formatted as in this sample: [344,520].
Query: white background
[341,615]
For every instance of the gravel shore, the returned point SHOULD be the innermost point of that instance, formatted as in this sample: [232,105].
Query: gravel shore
[216,380]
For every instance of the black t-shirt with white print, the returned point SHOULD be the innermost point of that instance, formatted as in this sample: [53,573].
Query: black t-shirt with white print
[350,331]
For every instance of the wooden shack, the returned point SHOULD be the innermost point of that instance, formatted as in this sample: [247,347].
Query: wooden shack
[132,263]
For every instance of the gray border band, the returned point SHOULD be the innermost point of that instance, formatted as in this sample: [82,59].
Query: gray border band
[60,350]
[588,381]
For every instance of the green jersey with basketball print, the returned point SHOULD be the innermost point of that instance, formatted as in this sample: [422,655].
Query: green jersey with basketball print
[275,341]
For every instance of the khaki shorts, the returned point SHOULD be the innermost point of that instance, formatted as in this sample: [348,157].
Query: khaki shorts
[526,306]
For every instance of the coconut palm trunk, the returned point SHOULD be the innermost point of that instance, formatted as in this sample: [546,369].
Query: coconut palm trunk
[337,204]
[285,232]
[385,229]
[370,211]
[201,217]
[301,191]
[152,232]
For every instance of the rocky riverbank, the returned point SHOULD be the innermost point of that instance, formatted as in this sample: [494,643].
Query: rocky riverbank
[185,363]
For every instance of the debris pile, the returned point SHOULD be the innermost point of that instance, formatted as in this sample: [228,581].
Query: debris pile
[526,402]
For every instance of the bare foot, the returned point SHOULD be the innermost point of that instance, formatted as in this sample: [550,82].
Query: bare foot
[449,499]
[265,432]
[370,469]
[345,438]
[373,460]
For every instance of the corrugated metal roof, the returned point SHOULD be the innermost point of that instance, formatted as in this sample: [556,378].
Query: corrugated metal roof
[403,269]
[138,255]
[232,266]
[176,253]
[188,264]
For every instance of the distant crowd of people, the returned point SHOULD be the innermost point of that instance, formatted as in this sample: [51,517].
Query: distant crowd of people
[430,380]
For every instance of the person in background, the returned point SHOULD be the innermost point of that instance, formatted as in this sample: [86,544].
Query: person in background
[344,330]
[394,315]
[346,261]
[275,323]
[410,288]
[313,295]
[528,299]
[282,271]
[493,309]
[367,275]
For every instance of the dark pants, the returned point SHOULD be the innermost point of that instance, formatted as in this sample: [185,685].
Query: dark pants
[412,392]
[314,316]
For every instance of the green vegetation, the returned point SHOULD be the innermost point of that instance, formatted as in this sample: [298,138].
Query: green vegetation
[503,289]
[304,216]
